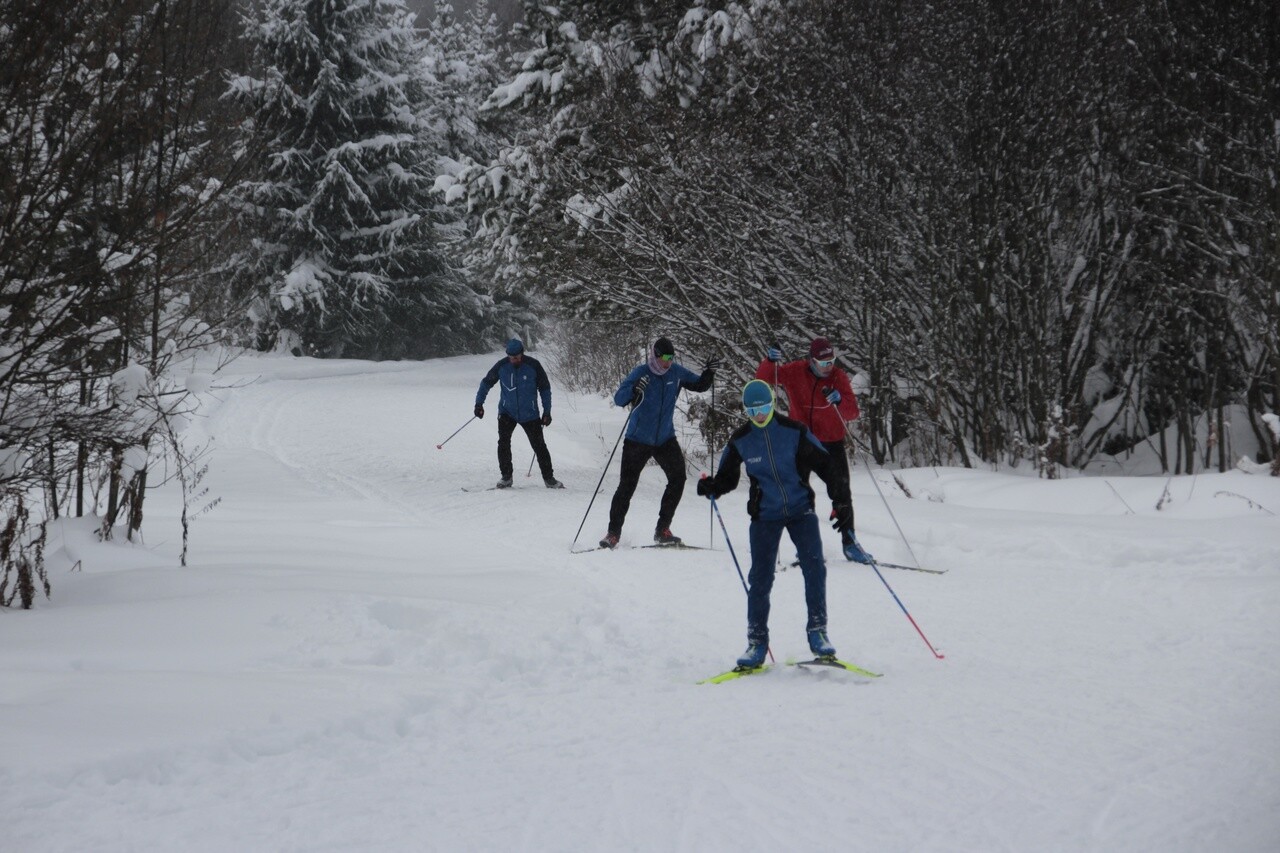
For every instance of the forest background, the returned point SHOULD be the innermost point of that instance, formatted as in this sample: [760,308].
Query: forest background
[1038,233]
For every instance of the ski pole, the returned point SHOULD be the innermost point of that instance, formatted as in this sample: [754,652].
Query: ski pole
[531,461]
[885,501]
[880,492]
[937,654]
[441,445]
[911,568]
[716,509]
[879,574]
[711,531]
[621,432]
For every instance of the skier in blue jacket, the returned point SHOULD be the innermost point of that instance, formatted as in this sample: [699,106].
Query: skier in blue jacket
[779,454]
[651,389]
[523,381]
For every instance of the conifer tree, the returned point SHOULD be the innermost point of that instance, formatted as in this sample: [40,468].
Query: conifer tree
[343,258]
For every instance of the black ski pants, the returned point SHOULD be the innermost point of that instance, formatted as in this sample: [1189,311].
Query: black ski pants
[841,458]
[533,429]
[635,456]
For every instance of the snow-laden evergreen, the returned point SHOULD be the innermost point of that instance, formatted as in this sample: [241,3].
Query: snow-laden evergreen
[344,257]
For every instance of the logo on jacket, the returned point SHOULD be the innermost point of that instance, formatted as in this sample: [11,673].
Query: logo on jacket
[751,460]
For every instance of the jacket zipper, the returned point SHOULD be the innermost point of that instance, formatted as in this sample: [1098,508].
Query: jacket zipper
[662,404]
[514,389]
[773,466]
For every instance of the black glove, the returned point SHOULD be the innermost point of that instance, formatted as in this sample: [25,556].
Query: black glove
[637,390]
[546,419]
[844,517]
[712,364]
[479,411]
[706,488]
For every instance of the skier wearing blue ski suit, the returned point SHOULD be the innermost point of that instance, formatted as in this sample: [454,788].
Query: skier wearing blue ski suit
[779,454]
[651,389]
[522,381]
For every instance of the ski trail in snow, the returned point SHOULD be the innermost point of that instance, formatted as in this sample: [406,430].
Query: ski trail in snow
[363,656]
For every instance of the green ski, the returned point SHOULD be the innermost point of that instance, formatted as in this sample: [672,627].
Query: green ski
[835,663]
[736,672]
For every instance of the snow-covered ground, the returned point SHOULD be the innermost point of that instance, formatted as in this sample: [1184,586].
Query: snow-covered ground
[361,655]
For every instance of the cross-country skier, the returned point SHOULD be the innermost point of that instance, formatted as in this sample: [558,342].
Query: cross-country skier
[779,453]
[822,399]
[523,381]
[651,389]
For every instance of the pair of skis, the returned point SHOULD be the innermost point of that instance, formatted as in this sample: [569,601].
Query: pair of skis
[830,662]
[795,564]
[680,547]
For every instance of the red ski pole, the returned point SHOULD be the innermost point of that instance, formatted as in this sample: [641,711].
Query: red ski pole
[937,654]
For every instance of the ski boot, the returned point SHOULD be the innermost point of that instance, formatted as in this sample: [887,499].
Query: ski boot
[753,657]
[504,483]
[553,483]
[666,537]
[819,644]
[853,551]
[610,541]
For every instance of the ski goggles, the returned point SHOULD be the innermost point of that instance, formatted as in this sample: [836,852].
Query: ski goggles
[668,358]
[826,362]
[758,411]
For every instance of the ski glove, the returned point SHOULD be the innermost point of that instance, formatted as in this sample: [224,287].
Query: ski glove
[833,396]
[774,353]
[844,517]
[706,488]
[546,419]
[637,390]
[712,364]
[479,411]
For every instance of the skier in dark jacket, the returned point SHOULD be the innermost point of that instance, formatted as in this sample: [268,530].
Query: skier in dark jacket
[651,389]
[522,381]
[779,453]
[821,397]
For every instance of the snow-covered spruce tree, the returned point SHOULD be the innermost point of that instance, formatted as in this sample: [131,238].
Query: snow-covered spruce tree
[463,61]
[343,258]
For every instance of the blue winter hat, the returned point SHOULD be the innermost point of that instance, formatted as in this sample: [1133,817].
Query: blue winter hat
[757,400]
[515,346]
[756,393]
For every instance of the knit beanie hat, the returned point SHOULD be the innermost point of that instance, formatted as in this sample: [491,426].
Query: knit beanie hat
[820,350]
[756,393]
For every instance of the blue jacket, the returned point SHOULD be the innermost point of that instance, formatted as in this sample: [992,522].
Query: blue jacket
[651,422]
[521,386]
[779,458]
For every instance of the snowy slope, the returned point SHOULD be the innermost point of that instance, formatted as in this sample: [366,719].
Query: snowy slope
[363,656]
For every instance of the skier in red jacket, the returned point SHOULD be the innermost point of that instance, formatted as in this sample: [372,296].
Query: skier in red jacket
[821,398]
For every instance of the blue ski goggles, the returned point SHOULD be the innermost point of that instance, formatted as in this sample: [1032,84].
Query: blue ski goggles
[757,411]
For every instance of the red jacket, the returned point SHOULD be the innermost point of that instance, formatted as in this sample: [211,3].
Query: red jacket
[808,403]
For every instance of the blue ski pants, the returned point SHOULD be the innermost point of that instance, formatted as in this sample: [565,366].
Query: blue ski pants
[765,536]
